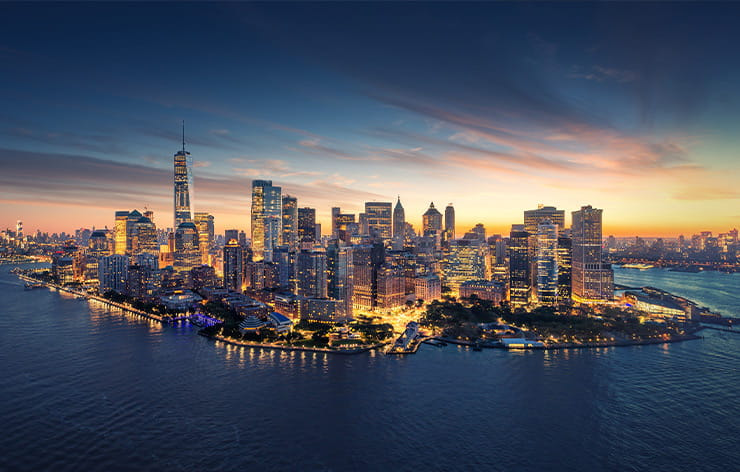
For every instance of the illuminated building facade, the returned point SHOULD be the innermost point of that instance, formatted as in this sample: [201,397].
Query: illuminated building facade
[187,247]
[450,222]
[267,206]
[119,232]
[399,224]
[519,267]
[483,289]
[233,266]
[465,260]
[183,185]
[547,263]
[144,237]
[532,219]
[113,273]
[432,221]
[391,288]
[565,257]
[290,221]
[592,279]
[379,219]
[428,288]
[310,274]
[306,224]
[206,232]
[340,275]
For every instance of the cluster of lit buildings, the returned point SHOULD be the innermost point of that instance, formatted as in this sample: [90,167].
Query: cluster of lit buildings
[373,261]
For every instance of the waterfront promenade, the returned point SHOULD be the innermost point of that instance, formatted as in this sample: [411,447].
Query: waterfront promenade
[412,349]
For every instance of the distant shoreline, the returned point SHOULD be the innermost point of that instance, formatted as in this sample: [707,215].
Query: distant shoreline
[219,338]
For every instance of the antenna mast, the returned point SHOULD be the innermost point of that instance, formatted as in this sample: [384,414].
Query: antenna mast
[183,136]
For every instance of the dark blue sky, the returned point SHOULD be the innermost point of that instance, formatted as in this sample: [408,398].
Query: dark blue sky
[495,107]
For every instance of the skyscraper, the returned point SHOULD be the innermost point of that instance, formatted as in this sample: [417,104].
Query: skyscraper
[432,221]
[187,247]
[267,205]
[334,226]
[290,221]
[565,257]
[306,224]
[519,267]
[340,276]
[450,222]
[547,263]
[119,232]
[183,184]
[399,220]
[233,266]
[379,219]
[204,224]
[144,237]
[113,272]
[592,280]
[311,281]
[532,219]
[465,260]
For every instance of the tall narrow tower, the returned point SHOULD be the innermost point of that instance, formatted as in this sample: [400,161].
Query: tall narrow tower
[450,221]
[183,184]
[399,220]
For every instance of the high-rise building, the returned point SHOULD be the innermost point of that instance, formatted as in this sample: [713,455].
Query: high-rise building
[119,232]
[144,237]
[334,226]
[399,220]
[183,185]
[450,222]
[432,221]
[233,265]
[206,232]
[267,206]
[465,259]
[391,288]
[367,259]
[306,224]
[290,221]
[340,275]
[187,247]
[547,263]
[311,281]
[343,225]
[565,257]
[532,219]
[98,246]
[379,219]
[519,267]
[113,273]
[592,280]
[230,234]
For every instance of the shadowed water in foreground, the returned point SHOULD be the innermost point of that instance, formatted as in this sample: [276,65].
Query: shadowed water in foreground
[84,388]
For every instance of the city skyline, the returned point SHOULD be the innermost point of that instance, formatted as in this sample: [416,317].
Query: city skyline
[565,113]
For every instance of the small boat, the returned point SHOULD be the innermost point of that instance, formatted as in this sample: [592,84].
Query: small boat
[31,286]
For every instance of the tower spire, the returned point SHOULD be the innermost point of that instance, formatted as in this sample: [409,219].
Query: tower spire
[183,136]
